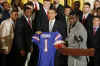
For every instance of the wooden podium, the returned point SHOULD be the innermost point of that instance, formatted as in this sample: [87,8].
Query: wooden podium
[77,52]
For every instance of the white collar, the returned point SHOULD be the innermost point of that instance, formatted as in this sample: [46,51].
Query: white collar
[56,5]
[86,15]
[12,22]
[52,20]
[27,18]
[46,10]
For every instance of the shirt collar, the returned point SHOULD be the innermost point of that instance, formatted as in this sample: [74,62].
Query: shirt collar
[86,15]
[27,18]
[52,20]
[12,22]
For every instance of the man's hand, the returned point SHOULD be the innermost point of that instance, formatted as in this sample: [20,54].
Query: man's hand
[31,50]
[22,52]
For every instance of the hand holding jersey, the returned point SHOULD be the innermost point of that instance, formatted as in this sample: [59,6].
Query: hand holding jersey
[47,43]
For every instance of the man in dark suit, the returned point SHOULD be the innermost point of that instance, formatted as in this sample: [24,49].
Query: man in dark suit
[23,37]
[59,8]
[42,16]
[97,46]
[86,17]
[54,25]
[92,34]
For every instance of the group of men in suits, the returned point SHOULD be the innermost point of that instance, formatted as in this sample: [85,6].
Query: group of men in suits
[48,18]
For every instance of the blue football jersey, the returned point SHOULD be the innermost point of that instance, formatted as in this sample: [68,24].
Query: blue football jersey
[46,42]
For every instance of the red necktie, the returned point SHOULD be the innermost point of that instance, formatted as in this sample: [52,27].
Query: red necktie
[94,31]
[83,20]
[35,7]
[29,22]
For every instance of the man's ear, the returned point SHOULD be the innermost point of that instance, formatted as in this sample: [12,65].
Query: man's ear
[56,14]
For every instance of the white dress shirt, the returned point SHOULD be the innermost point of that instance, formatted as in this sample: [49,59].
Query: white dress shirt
[51,24]
[46,10]
[85,15]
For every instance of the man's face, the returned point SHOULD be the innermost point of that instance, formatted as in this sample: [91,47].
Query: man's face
[1,1]
[28,12]
[56,1]
[46,4]
[6,6]
[51,14]
[77,5]
[97,4]
[72,19]
[14,15]
[86,9]
[67,11]
[96,21]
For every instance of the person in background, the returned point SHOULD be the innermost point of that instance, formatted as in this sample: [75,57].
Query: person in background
[92,37]
[96,5]
[23,37]
[59,8]
[97,45]
[1,8]
[76,8]
[86,17]
[6,10]
[42,17]
[7,28]
[67,13]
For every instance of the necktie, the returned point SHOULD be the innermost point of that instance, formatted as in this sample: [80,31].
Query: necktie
[29,22]
[50,26]
[94,31]
[35,7]
[83,20]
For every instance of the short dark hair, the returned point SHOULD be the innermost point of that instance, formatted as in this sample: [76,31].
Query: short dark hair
[14,10]
[29,3]
[67,7]
[4,3]
[53,9]
[26,8]
[87,3]
[77,3]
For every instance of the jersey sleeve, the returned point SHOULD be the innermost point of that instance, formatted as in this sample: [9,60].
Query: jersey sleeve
[58,36]
[35,39]
[58,40]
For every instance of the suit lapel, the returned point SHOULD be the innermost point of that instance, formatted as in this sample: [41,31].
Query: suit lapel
[54,26]
[26,24]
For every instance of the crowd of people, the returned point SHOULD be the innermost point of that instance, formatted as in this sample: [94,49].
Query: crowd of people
[78,28]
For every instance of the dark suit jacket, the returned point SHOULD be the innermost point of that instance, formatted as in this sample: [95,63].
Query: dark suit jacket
[88,21]
[59,26]
[41,18]
[97,41]
[92,39]
[23,35]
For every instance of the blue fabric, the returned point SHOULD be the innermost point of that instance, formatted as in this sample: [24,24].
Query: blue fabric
[46,58]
